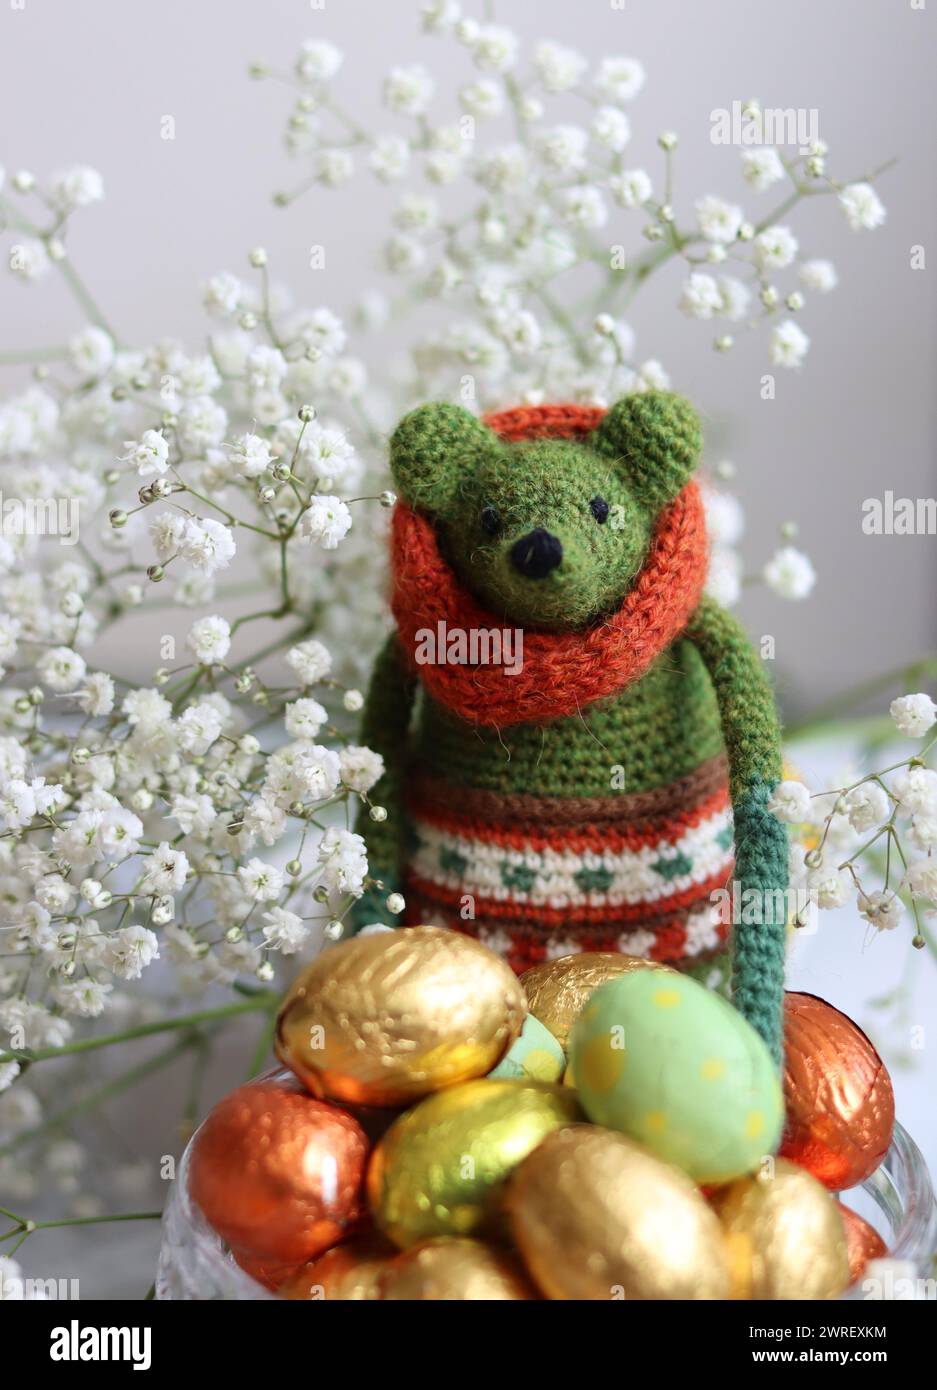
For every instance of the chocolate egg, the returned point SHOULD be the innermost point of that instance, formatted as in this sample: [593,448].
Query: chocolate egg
[863,1242]
[348,1273]
[455,1271]
[597,1217]
[534,1056]
[440,1168]
[278,1174]
[266,1272]
[382,1020]
[678,1069]
[784,1236]
[839,1102]
[557,990]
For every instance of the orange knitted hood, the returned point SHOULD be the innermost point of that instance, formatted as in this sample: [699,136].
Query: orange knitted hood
[561,672]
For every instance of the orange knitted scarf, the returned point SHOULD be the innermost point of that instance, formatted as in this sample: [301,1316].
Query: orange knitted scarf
[562,671]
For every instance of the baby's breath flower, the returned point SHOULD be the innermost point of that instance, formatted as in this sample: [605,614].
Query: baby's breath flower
[310,660]
[775,248]
[325,522]
[761,168]
[209,639]
[881,910]
[284,931]
[790,802]
[632,188]
[789,344]
[620,78]
[408,91]
[494,47]
[867,805]
[318,61]
[718,220]
[261,882]
[914,715]
[149,454]
[789,573]
[862,206]
[60,668]
[819,275]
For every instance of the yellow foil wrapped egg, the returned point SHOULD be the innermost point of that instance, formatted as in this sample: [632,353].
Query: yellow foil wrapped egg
[441,1167]
[784,1235]
[557,990]
[455,1271]
[597,1217]
[347,1273]
[383,1020]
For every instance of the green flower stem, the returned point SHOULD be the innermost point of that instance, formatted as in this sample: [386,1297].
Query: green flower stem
[84,297]
[831,710]
[263,1000]
[99,1096]
[264,1044]
[29,355]
[28,1228]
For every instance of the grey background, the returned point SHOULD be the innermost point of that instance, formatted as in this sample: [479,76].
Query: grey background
[90,80]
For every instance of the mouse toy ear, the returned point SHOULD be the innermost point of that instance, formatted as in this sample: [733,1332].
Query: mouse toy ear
[654,437]
[434,449]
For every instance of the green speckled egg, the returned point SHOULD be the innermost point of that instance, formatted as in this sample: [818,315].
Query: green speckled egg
[534,1056]
[672,1065]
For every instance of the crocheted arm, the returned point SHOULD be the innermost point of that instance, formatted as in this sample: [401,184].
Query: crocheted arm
[753,740]
[384,728]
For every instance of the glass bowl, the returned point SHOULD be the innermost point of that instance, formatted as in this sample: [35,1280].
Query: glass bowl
[898,1200]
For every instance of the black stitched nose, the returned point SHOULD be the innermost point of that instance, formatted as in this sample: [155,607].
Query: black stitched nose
[536,554]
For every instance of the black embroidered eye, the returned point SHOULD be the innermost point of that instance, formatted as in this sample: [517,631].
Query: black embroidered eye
[599,508]
[491,521]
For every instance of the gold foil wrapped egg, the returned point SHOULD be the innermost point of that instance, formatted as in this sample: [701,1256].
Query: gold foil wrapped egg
[441,1167]
[838,1097]
[557,990]
[863,1242]
[784,1235]
[383,1020]
[597,1217]
[348,1273]
[455,1271]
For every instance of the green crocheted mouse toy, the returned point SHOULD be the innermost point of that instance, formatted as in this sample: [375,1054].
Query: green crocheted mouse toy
[595,742]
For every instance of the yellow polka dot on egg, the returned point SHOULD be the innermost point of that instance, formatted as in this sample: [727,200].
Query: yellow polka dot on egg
[541,1065]
[754,1124]
[599,1065]
[712,1068]
[666,998]
[655,1121]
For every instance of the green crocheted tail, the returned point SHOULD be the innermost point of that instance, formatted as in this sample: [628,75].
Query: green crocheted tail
[753,740]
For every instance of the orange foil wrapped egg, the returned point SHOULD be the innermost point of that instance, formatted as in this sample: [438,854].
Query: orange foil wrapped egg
[278,1174]
[863,1242]
[838,1097]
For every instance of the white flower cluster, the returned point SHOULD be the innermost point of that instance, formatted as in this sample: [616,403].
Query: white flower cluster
[886,821]
[197,817]
[508,190]
[789,573]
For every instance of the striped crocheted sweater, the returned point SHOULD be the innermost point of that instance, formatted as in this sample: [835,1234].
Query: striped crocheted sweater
[607,828]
